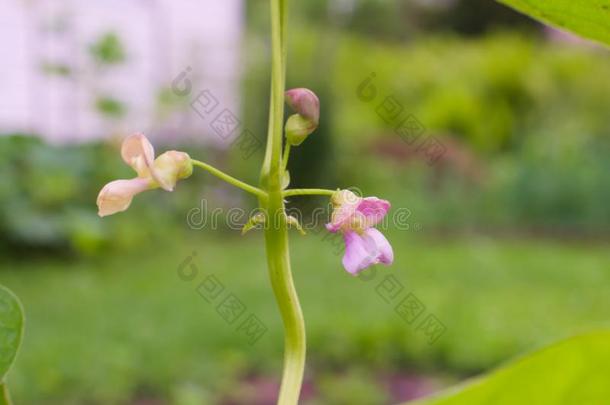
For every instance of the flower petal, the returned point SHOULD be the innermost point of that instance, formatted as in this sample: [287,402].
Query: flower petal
[373,209]
[169,167]
[386,254]
[116,196]
[341,216]
[138,153]
[360,252]
[345,203]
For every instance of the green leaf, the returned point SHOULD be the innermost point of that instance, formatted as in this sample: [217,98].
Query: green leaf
[11,329]
[573,371]
[587,18]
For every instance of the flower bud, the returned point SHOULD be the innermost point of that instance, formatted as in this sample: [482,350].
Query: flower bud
[307,107]
[305,103]
[298,129]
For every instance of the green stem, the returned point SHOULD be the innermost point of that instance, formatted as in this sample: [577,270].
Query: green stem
[278,258]
[285,156]
[230,179]
[308,191]
[5,398]
[276,233]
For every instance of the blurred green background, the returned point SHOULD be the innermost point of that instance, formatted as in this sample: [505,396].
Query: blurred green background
[507,239]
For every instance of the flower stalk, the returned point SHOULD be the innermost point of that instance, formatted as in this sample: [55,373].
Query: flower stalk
[276,234]
[230,179]
[308,191]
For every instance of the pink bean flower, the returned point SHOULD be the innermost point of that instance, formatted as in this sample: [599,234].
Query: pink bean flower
[163,172]
[355,218]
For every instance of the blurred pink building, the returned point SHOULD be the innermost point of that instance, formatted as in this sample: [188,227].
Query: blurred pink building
[50,82]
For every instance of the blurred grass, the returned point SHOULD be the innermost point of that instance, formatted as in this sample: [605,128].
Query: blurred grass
[120,327]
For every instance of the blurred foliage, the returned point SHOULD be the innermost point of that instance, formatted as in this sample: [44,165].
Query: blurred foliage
[108,49]
[56,69]
[110,107]
[49,197]
[48,194]
[168,102]
[355,387]
[524,124]
[394,21]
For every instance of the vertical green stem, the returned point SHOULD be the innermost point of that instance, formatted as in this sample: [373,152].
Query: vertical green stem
[278,258]
[276,233]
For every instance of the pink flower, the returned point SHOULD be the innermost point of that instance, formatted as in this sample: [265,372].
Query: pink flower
[355,218]
[164,172]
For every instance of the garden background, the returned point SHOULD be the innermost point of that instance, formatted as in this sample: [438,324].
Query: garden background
[500,231]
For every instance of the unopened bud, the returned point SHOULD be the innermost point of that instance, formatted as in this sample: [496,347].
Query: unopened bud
[307,107]
[298,129]
[305,103]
